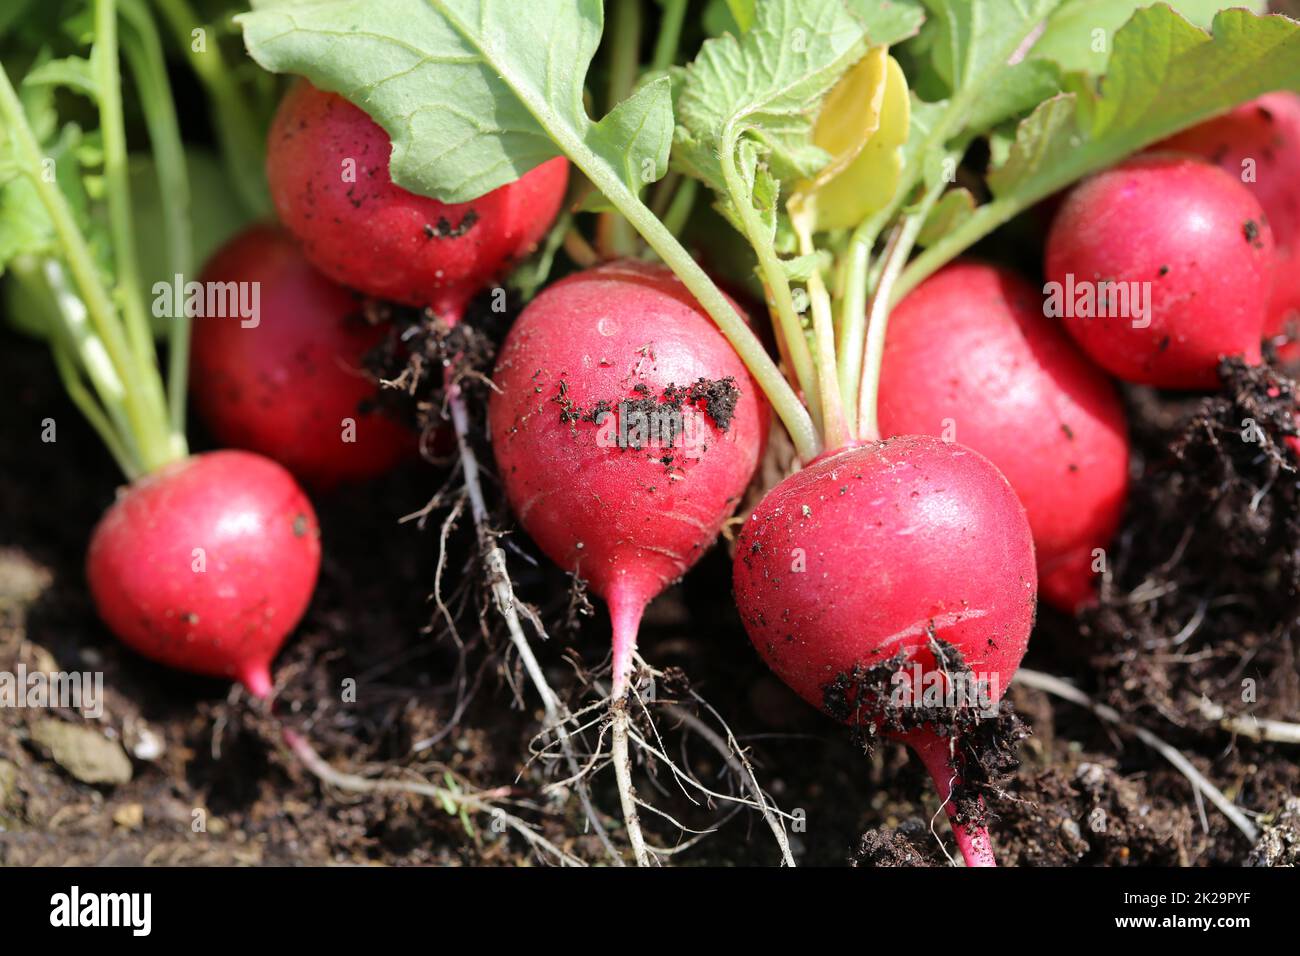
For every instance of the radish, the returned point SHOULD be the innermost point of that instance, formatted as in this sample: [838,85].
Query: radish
[1186,245]
[204,562]
[328,166]
[880,555]
[290,385]
[591,362]
[970,357]
[1259,143]
[207,564]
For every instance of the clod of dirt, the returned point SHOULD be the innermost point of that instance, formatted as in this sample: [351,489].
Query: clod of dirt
[883,847]
[84,753]
[22,582]
[987,745]
[1279,843]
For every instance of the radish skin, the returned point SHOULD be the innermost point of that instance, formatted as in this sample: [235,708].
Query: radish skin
[970,352]
[327,162]
[285,387]
[1259,144]
[207,565]
[629,520]
[880,550]
[1191,234]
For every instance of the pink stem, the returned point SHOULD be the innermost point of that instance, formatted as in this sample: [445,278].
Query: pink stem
[625,615]
[450,306]
[257,678]
[936,753]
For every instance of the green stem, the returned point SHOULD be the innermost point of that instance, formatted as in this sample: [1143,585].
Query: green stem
[240,135]
[73,338]
[663,192]
[141,418]
[896,255]
[679,211]
[853,315]
[789,325]
[156,444]
[92,411]
[670,34]
[784,401]
[143,51]
[614,235]
[835,428]
[605,178]
[987,218]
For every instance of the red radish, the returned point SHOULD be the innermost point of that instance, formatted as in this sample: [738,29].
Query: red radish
[630,512]
[886,549]
[970,357]
[207,564]
[1187,233]
[1259,143]
[328,167]
[291,386]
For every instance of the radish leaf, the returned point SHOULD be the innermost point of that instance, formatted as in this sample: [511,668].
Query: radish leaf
[1164,76]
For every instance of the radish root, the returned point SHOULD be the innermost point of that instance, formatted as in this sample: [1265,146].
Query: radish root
[556,717]
[619,724]
[471,801]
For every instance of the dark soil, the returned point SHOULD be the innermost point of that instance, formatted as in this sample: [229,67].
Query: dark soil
[1202,591]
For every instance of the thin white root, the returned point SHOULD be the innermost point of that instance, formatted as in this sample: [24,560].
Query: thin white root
[461,800]
[619,722]
[731,752]
[1256,728]
[1054,685]
[503,596]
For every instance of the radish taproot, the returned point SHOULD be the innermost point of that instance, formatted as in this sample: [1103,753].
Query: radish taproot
[625,430]
[328,166]
[1259,143]
[970,357]
[207,564]
[1186,246]
[290,384]
[888,554]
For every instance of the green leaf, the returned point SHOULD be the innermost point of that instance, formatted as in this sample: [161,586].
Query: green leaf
[1014,92]
[74,73]
[925,117]
[802,268]
[1080,34]
[473,93]
[888,22]
[637,135]
[966,60]
[1164,76]
[971,40]
[952,209]
[757,97]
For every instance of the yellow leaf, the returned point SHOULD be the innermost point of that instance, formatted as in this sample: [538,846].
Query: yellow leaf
[863,177]
[849,117]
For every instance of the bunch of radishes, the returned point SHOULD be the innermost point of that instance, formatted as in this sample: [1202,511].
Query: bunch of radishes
[292,386]
[956,446]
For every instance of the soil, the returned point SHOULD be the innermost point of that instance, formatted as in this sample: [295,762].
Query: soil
[1201,591]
